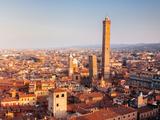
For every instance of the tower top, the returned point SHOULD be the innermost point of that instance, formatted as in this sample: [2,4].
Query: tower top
[107,18]
[70,56]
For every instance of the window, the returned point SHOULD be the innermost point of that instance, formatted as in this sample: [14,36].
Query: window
[57,96]
[76,77]
[144,115]
[62,95]
[57,105]
[141,116]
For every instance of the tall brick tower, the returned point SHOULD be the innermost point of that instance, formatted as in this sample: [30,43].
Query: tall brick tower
[93,66]
[106,49]
[70,65]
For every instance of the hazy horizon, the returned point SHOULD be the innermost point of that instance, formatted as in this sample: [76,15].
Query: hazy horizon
[58,24]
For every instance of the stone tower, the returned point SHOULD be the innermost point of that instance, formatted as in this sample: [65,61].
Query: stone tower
[106,49]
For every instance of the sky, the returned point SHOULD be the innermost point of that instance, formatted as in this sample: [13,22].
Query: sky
[64,23]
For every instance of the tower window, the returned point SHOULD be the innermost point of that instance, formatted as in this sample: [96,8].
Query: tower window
[57,105]
[62,95]
[76,77]
[57,96]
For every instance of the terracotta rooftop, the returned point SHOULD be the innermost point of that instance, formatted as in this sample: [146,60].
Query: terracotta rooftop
[104,114]
[17,107]
[9,99]
[97,115]
[57,90]
[80,107]
[27,95]
[122,110]
[146,109]
[84,70]
[90,95]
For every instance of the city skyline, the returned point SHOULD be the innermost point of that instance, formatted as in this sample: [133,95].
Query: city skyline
[54,24]
[100,76]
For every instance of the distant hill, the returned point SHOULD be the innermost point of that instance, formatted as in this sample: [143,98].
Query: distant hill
[141,46]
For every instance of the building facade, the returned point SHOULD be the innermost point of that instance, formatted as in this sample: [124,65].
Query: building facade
[23,100]
[57,102]
[145,79]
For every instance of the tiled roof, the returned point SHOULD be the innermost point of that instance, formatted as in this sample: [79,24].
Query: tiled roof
[57,90]
[104,114]
[9,99]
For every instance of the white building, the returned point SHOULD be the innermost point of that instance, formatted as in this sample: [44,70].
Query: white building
[57,102]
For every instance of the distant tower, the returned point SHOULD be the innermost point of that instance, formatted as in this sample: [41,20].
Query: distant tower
[57,102]
[106,49]
[70,65]
[75,65]
[124,62]
[13,92]
[92,66]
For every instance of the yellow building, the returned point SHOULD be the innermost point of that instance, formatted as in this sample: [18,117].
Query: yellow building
[46,85]
[32,87]
[40,93]
[25,99]
[9,102]
[13,92]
